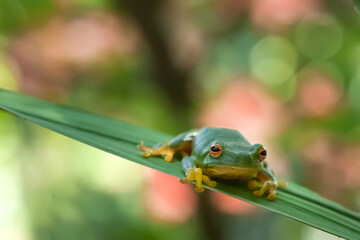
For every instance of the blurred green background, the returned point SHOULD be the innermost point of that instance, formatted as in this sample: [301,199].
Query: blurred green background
[286,73]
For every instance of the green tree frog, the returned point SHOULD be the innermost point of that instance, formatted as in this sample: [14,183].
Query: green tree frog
[219,153]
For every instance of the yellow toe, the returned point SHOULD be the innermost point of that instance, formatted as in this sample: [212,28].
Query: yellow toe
[271,196]
[199,189]
[282,184]
[258,193]
[254,184]
[183,180]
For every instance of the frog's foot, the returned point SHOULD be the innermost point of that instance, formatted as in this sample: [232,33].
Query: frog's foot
[195,174]
[163,150]
[282,184]
[252,184]
[268,186]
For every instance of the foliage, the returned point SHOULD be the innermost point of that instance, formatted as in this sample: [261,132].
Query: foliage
[121,138]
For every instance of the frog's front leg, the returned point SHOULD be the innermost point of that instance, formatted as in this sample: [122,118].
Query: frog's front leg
[267,183]
[195,174]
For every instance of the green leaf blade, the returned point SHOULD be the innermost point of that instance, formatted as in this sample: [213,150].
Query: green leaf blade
[121,138]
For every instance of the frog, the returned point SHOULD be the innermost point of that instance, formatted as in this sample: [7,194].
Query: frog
[211,154]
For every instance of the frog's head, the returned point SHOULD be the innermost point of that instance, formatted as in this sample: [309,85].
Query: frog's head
[231,160]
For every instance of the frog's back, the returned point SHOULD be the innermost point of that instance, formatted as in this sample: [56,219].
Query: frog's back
[207,135]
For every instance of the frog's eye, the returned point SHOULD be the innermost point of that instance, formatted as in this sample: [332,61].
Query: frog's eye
[215,150]
[262,154]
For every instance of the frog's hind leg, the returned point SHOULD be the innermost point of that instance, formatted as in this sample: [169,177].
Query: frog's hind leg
[168,150]
[266,183]
[181,144]
[264,186]
[157,151]
[195,174]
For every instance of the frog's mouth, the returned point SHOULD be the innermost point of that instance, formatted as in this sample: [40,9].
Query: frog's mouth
[231,172]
